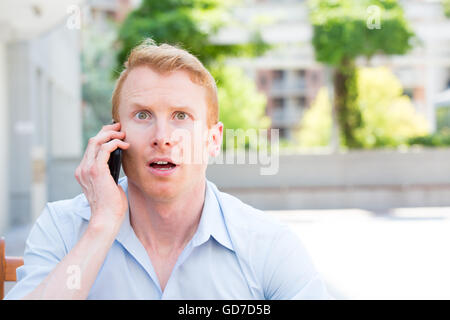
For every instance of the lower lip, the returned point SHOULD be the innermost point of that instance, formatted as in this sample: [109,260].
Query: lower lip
[162,173]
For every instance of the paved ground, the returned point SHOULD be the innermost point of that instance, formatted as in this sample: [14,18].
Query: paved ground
[401,254]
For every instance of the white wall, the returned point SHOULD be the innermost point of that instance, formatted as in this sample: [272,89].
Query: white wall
[44,89]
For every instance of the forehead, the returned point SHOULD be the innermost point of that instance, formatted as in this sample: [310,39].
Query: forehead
[146,87]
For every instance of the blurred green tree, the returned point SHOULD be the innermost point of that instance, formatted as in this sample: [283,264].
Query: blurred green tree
[316,124]
[188,23]
[388,116]
[241,105]
[446,6]
[345,30]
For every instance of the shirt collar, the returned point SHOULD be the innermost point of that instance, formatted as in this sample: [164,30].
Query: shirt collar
[211,223]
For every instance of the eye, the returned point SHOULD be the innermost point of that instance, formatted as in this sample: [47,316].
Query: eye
[142,115]
[181,115]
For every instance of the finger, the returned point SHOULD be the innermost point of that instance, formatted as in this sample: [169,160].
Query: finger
[103,137]
[100,138]
[107,148]
[94,145]
[96,142]
[112,126]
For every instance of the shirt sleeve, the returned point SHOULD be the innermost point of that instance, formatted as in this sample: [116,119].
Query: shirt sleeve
[289,272]
[44,249]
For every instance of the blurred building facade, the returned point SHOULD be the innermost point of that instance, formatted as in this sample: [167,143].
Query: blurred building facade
[290,77]
[40,102]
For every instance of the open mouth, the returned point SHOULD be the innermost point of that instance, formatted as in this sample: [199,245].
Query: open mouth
[162,165]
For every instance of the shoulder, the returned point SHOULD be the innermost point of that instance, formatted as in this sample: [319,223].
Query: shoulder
[71,210]
[62,221]
[246,218]
[272,255]
[77,206]
[255,234]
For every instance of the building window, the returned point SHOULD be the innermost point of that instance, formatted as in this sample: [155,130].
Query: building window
[300,74]
[300,102]
[278,103]
[262,81]
[408,92]
[278,75]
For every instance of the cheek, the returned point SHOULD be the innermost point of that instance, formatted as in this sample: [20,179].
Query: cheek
[136,137]
[135,149]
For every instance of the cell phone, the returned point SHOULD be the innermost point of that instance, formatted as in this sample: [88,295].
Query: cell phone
[115,162]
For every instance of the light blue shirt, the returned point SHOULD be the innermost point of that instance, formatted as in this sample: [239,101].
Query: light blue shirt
[237,252]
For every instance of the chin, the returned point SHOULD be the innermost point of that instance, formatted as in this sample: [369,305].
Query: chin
[163,188]
[160,189]
[160,192]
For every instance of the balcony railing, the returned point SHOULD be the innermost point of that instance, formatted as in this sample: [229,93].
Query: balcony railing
[286,117]
[285,88]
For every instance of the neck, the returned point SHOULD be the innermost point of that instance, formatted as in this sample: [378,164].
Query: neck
[165,227]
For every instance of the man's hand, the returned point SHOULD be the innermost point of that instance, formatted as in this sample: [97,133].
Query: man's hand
[107,200]
[108,207]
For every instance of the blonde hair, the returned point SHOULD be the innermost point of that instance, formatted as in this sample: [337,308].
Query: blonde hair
[167,58]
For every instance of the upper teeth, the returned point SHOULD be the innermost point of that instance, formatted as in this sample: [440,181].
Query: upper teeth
[161,162]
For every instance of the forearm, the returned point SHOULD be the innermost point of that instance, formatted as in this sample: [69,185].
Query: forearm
[74,276]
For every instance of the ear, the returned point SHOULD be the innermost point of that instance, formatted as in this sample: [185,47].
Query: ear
[215,137]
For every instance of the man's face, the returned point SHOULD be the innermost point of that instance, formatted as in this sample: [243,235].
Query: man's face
[164,117]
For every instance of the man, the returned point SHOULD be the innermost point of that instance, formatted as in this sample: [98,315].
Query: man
[164,232]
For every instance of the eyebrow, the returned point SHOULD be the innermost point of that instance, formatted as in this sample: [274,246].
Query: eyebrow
[135,106]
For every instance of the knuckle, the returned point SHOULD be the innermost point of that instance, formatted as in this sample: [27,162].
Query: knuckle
[84,171]
[93,170]
[105,147]
[115,142]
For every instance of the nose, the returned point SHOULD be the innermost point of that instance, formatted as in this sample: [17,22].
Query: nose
[162,137]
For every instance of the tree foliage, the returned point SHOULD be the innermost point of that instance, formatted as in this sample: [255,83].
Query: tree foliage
[316,124]
[388,116]
[241,105]
[188,23]
[446,6]
[347,29]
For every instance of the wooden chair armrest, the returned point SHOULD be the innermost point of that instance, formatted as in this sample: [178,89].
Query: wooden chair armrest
[12,263]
